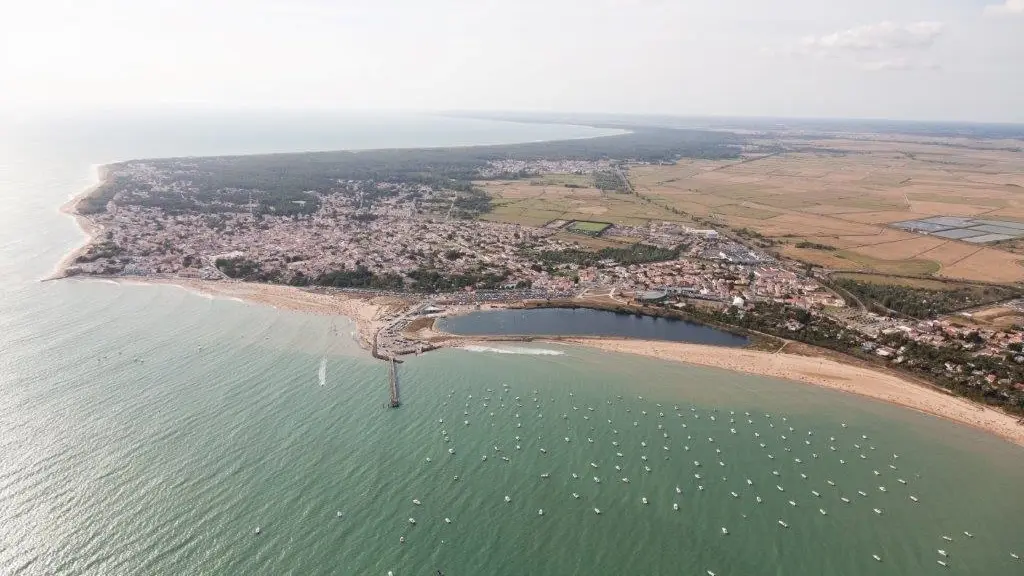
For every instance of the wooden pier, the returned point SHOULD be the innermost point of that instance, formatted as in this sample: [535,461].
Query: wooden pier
[393,377]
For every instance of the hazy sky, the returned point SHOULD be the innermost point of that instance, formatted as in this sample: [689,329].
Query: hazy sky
[915,59]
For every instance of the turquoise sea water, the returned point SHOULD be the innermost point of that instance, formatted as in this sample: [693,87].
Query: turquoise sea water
[149,430]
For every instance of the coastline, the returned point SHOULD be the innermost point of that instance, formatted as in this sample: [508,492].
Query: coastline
[85,224]
[820,371]
[372,313]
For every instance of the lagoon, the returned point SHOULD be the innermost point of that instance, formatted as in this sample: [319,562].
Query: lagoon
[586,322]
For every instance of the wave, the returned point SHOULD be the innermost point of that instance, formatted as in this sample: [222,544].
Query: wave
[515,350]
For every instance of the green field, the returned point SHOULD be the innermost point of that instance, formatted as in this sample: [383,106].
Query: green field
[587,227]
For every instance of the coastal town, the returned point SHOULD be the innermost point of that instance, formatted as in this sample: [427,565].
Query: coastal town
[421,242]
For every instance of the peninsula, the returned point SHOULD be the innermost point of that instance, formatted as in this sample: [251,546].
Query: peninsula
[754,230]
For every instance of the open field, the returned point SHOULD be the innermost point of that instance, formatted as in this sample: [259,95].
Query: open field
[589,227]
[530,204]
[845,192]
[920,283]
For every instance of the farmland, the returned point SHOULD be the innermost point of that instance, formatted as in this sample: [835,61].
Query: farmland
[537,201]
[845,193]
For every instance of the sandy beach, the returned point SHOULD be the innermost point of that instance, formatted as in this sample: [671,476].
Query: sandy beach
[822,372]
[367,312]
[90,228]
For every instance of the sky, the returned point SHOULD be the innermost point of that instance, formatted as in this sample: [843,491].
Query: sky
[959,60]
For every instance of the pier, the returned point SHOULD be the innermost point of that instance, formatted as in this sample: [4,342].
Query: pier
[393,378]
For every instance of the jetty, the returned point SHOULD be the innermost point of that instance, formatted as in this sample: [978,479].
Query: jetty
[393,378]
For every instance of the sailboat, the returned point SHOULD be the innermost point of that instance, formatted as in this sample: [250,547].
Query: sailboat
[323,371]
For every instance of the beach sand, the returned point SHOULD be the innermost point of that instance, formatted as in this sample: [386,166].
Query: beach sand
[86,224]
[824,372]
[368,312]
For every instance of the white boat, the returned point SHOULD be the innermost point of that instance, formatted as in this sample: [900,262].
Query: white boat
[451,450]
[675,506]
[679,490]
[749,483]
[700,487]
[844,499]
[775,472]
[416,502]
[876,557]
[947,538]
[881,488]
[575,496]
[877,511]
[822,510]
[734,495]
[545,475]
[724,531]
[696,463]
[815,492]
[804,476]
[543,451]
[943,564]
[942,552]
[257,530]
[597,480]
[575,476]
[540,512]
[625,480]
[643,499]
[618,468]
[968,534]
[647,468]
[901,480]
[1014,556]
[412,521]
[913,498]
[783,524]
[862,493]
[508,498]
[592,465]
[447,520]
[830,483]
[792,503]
[758,498]
[781,489]
[597,511]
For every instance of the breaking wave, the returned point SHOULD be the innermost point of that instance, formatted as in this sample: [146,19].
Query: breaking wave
[515,350]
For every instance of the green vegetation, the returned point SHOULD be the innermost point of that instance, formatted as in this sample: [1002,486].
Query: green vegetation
[815,246]
[609,180]
[635,254]
[291,184]
[589,228]
[920,302]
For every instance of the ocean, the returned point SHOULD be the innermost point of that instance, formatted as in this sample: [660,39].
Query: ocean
[150,430]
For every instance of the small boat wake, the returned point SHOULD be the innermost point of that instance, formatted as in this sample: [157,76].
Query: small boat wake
[323,371]
[514,350]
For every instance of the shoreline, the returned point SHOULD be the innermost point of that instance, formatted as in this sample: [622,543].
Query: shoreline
[819,371]
[370,314]
[373,313]
[85,224]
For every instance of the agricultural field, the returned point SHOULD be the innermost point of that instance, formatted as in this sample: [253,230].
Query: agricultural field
[846,193]
[530,203]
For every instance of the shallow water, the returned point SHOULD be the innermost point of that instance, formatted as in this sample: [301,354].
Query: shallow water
[585,322]
[150,430]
